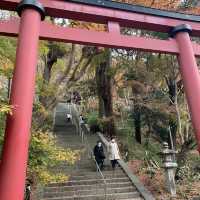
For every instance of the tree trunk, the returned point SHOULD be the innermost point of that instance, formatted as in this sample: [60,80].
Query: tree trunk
[173,129]
[172,92]
[148,133]
[47,69]
[101,107]
[104,90]
[137,124]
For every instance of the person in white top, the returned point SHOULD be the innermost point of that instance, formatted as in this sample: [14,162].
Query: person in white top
[69,117]
[81,119]
[113,152]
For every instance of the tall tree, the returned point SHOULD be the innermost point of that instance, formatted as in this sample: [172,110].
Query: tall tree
[104,88]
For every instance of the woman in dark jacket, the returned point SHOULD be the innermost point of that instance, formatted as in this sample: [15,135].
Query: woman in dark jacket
[99,154]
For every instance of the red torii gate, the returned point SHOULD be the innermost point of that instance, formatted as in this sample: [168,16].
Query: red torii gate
[30,29]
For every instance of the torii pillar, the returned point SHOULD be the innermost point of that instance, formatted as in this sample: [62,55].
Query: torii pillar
[16,142]
[190,74]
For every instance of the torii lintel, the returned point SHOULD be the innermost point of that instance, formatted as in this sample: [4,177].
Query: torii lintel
[103,11]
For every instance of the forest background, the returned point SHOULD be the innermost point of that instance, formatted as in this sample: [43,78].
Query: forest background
[137,96]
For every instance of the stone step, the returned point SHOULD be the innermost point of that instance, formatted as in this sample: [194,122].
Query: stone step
[113,196]
[68,170]
[66,142]
[82,172]
[77,146]
[97,176]
[62,130]
[71,132]
[83,166]
[66,134]
[86,187]
[93,191]
[65,129]
[70,142]
[64,123]
[74,170]
[90,182]
[85,159]
[138,198]
[86,175]
[69,139]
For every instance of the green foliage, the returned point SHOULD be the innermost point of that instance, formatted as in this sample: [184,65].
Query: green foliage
[8,48]
[43,48]
[6,69]
[7,56]
[136,150]
[2,128]
[188,3]
[5,109]
[55,48]
[162,36]
[44,90]
[59,49]
[92,119]
[59,65]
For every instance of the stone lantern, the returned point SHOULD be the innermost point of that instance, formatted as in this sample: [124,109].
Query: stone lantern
[169,165]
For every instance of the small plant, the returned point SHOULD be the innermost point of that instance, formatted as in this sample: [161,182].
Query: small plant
[93,122]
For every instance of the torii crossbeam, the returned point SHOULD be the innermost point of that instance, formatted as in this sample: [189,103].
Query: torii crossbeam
[30,29]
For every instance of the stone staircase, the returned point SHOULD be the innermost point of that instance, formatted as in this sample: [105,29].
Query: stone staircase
[85,183]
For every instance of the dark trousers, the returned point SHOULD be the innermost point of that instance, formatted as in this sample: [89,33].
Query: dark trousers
[113,163]
[68,119]
[100,163]
[27,195]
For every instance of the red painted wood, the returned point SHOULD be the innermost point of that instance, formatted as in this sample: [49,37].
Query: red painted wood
[104,39]
[15,149]
[59,8]
[191,79]
[9,27]
[114,27]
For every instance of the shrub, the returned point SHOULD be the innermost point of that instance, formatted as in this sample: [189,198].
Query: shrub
[44,155]
[93,122]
